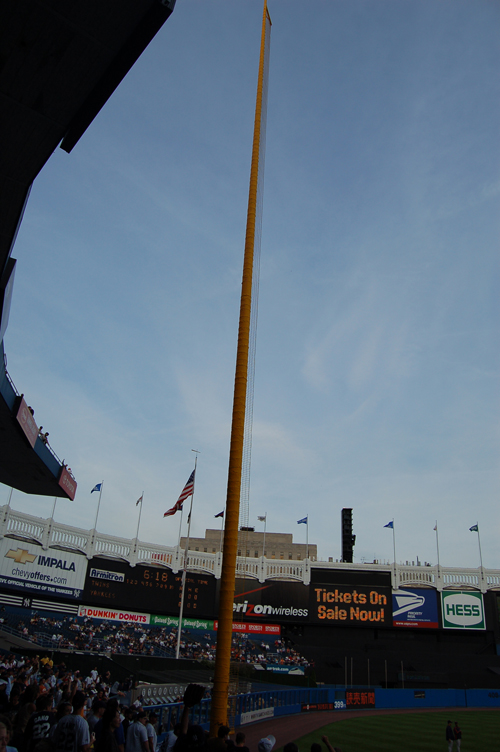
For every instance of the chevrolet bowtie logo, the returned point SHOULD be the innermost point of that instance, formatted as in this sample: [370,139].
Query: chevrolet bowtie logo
[21,556]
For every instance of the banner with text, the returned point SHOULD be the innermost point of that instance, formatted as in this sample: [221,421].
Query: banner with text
[415,608]
[347,605]
[187,623]
[462,609]
[28,567]
[111,614]
[272,629]
[271,601]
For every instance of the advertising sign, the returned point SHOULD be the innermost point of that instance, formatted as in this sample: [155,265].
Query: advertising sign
[271,601]
[356,699]
[256,715]
[462,609]
[67,483]
[28,567]
[415,608]
[276,668]
[347,605]
[187,623]
[26,420]
[115,584]
[314,707]
[273,629]
[110,614]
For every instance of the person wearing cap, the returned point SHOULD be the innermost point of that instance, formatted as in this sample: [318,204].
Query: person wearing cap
[97,712]
[450,736]
[137,736]
[457,731]
[266,744]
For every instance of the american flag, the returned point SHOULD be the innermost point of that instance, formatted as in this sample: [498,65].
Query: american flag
[186,491]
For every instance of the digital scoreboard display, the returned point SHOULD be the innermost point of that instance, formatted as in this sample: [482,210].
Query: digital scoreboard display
[148,588]
[353,606]
[342,598]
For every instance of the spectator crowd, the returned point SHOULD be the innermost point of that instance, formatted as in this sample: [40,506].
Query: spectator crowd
[64,632]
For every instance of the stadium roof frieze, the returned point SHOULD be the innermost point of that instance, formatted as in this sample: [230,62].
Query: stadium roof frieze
[50,534]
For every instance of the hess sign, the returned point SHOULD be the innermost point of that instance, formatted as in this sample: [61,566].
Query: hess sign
[462,609]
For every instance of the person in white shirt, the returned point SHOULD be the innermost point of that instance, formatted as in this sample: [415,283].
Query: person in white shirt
[137,736]
[150,729]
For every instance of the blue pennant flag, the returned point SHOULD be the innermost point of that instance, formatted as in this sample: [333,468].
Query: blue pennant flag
[390,524]
[474,529]
[221,514]
[303,521]
[97,487]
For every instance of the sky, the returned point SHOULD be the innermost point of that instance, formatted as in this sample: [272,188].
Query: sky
[377,363]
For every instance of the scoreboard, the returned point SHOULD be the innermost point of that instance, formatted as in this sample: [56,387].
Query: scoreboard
[148,588]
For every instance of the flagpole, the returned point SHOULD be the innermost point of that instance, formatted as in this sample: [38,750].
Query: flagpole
[307,537]
[437,544]
[10,496]
[98,505]
[180,529]
[221,532]
[394,541]
[396,578]
[184,571]
[263,518]
[139,520]
[480,554]
[54,507]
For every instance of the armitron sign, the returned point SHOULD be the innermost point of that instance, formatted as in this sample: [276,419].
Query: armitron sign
[462,609]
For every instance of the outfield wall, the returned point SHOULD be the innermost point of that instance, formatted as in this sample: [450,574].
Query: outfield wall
[262,706]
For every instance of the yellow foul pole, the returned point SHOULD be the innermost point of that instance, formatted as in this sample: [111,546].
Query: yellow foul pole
[219,712]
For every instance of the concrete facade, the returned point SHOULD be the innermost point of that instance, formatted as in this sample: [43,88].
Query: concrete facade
[251,545]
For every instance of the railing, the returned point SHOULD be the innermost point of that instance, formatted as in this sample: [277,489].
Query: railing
[41,641]
[266,704]
[51,534]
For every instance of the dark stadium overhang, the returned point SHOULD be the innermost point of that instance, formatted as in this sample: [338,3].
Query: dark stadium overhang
[60,62]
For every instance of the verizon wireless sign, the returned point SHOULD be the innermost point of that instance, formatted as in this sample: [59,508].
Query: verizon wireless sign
[271,601]
[462,609]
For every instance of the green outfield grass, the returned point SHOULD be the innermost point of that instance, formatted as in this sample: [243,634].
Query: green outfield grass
[412,732]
